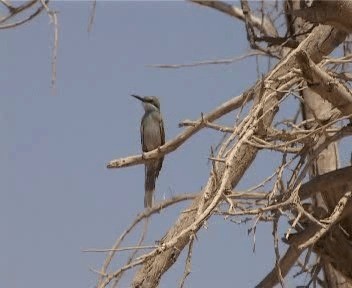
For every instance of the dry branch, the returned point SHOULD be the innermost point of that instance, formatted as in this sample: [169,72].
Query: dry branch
[334,217]
[144,215]
[338,180]
[16,11]
[335,13]
[210,62]
[264,24]
[318,44]
[289,259]
[326,86]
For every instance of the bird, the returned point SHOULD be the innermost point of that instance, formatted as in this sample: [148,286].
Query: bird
[152,137]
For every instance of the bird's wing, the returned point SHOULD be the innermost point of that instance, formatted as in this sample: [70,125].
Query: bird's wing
[144,147]
[162,131]
[162,138]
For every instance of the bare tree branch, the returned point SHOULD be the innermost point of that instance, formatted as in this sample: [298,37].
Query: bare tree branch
[335,13]
[264,24]
[326,86]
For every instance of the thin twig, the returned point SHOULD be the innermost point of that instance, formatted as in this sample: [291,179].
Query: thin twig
[209,62]
[145,214]
[187,270]
[92,16]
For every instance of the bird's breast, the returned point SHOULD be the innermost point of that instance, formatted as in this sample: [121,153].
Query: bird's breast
[151,131]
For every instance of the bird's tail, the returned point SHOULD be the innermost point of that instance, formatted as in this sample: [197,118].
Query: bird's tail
[149,185]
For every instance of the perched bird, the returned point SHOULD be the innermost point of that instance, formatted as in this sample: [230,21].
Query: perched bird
[152,136]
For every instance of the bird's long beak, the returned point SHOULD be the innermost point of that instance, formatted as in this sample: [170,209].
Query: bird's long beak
[138,97]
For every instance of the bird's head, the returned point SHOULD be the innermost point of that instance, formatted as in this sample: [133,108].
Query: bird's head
[150,103]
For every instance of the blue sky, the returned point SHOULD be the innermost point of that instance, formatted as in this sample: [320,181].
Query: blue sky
[57,196]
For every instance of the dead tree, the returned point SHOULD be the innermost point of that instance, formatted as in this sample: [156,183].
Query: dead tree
[320,210]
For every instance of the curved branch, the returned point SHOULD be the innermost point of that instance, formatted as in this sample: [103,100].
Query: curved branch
[327,87]
[145,214]
[338,180]
[289,259]
[15,10]
[264,24]
[335,13]
[19,9]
